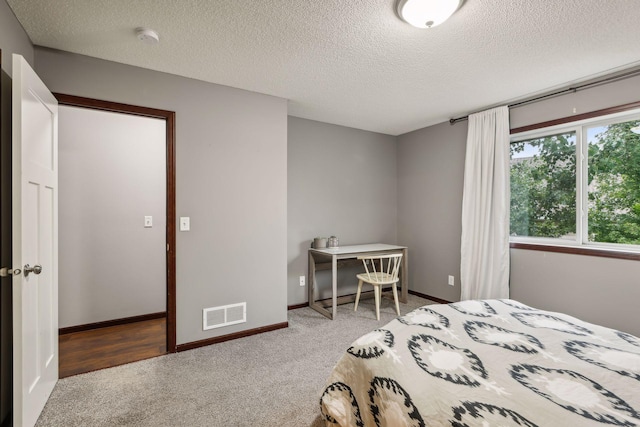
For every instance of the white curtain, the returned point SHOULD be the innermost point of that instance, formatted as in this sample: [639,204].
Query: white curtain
[484,266]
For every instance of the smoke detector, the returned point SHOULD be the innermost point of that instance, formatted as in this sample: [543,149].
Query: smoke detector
[147,35]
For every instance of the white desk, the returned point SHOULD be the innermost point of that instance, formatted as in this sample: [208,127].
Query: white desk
[351,252]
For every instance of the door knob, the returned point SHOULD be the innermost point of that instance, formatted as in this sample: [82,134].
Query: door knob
[6,271]
[36,269]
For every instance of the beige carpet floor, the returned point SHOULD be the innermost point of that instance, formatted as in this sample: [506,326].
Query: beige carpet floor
[272,379]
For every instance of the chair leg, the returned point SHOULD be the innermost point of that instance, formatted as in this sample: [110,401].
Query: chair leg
[376,292]
[395,298]
[355,307]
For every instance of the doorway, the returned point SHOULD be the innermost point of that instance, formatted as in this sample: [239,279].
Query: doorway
[125,296]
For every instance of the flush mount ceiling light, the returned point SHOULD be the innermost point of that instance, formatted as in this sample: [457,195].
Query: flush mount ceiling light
[147,35]
[426,13]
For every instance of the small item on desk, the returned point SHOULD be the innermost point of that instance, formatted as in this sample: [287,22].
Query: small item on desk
[320,243]
[333,242]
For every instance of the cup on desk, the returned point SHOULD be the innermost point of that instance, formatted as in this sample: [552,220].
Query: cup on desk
[332,242]
[320,243]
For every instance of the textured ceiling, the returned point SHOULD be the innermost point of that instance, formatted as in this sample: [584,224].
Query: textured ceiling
[354,63]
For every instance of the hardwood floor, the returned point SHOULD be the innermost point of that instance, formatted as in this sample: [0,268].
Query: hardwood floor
[87,351]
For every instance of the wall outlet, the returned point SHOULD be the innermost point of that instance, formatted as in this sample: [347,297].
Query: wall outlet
[302,281]
[452,280]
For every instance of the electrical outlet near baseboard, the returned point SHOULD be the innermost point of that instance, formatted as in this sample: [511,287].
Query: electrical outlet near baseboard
[452,281]
[302,281]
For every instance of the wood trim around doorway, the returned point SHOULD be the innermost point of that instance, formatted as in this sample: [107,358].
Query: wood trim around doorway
[170,118]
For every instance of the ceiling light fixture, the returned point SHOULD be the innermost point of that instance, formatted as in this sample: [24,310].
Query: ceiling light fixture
[635,129]
[426,13]
[147,35]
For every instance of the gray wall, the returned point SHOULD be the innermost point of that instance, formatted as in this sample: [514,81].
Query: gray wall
[112,175]
[13,39]
[430,175]
[342,182]
[231,177]
[430,180]
[600,290]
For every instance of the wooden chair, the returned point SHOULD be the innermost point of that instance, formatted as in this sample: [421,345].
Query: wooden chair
[380,270]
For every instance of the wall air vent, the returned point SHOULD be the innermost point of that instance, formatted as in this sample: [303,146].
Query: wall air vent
[225,315]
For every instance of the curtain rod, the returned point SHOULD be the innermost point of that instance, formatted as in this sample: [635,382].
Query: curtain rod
[572,89]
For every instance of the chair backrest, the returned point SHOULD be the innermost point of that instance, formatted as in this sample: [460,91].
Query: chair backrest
[382,268]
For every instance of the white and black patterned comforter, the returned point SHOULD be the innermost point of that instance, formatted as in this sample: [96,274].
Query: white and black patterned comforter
[486,363]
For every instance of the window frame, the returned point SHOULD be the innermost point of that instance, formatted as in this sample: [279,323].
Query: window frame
[578,124]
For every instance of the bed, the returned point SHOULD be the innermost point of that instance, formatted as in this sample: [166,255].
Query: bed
[486,363]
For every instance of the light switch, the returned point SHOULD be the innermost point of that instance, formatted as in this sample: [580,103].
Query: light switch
[184,223]
[148,221]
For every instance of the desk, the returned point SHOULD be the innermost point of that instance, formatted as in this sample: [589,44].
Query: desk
[351,252]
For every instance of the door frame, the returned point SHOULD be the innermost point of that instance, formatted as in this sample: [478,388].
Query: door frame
[6,209]
[170,118]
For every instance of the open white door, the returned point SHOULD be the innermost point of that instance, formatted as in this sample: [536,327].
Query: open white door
[35,243]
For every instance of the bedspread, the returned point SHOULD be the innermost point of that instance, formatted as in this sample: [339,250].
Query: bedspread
[486,363]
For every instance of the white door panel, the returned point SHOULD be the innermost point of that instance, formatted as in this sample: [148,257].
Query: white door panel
[35,243]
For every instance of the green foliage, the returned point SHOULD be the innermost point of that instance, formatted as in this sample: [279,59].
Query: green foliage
[543,193]
[614,184]
[543,186]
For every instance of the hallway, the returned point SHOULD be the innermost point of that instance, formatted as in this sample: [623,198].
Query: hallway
[101,348]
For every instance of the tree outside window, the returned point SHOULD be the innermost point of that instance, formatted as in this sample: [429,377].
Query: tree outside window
[614,184]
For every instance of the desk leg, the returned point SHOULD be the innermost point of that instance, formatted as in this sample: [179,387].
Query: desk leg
[334,285]
[405,276]
[312,290]
[311,275]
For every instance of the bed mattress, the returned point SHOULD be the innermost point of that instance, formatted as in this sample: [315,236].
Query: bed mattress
[486,363]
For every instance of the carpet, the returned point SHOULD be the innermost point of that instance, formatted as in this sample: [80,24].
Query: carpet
[272,379]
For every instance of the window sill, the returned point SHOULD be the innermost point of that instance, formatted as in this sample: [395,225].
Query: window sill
[577,250]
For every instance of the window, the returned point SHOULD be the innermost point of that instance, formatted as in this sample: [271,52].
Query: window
[578,183]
